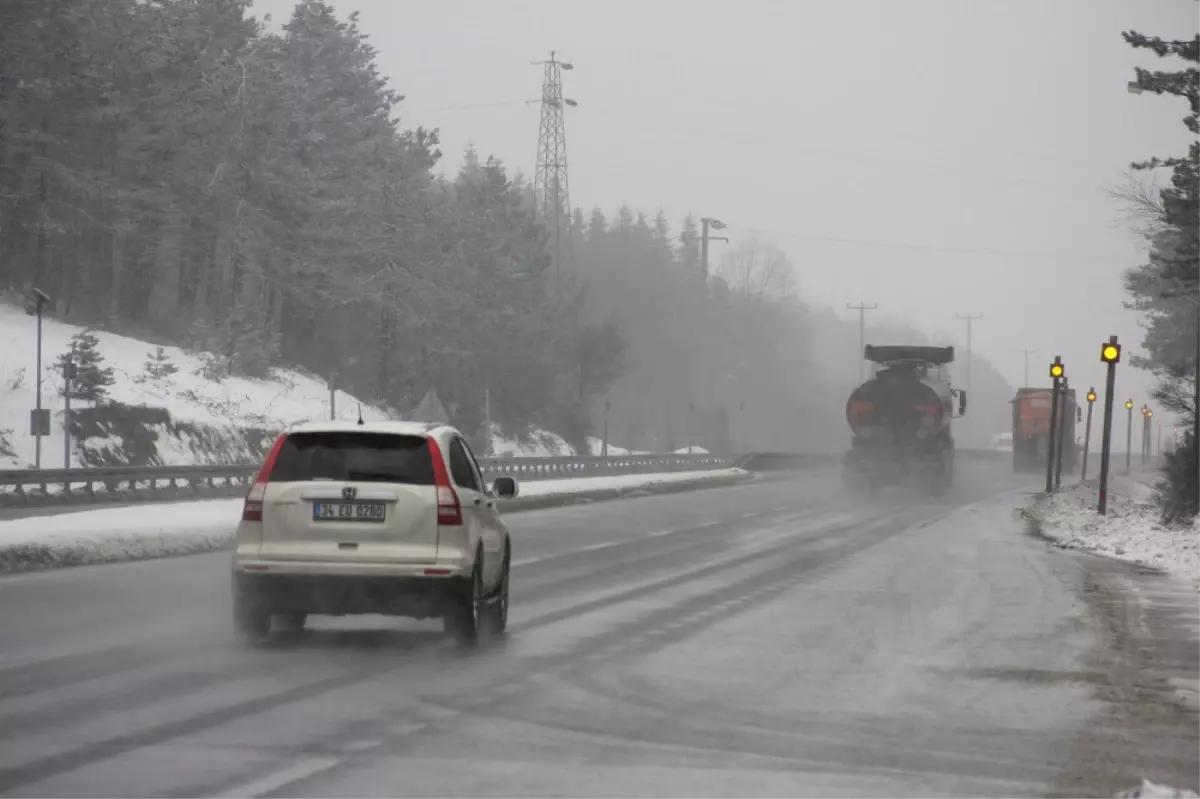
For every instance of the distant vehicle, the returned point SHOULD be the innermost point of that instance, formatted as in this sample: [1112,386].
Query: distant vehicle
[1031,428]
[387,517]
[901,420]
[1002,442]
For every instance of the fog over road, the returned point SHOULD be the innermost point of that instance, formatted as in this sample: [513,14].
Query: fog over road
[771,638]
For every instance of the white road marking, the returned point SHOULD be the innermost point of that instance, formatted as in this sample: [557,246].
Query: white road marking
[361,746]
[276,780]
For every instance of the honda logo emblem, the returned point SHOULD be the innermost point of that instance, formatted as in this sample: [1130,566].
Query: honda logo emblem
[349,492]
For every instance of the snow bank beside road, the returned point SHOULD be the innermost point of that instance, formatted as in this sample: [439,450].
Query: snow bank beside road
[1153,789]
[160,530]
[1131,531]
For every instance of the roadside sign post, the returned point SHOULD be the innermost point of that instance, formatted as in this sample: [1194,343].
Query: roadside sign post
[1056,374]
[1087,434]
[1110,354]
[69,371]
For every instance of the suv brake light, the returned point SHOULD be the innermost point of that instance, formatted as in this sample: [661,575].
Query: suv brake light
[253,508]
[449,512]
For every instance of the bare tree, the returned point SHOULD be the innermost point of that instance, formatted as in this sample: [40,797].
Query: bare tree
[758,270]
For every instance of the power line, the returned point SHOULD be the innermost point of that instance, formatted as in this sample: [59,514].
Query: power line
[468,106]
[935,248]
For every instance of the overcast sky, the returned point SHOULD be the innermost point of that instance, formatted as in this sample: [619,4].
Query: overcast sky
[938,157]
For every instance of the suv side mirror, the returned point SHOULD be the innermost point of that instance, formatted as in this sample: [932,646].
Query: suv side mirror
[962,402]
[505,487]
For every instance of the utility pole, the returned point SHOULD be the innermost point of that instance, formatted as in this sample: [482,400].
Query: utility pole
[550,184]
[969,319]
[705,238]
[862,309]
[1027,354]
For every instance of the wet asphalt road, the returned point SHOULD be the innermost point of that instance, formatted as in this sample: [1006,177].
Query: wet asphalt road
[766,639]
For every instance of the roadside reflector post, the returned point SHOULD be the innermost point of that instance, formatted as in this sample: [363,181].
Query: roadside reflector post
[1056,374]
[1110,354]
[1087,433]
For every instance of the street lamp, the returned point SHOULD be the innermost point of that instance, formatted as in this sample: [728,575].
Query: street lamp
[706,223]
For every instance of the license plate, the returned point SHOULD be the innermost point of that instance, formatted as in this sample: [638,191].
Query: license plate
[348,511]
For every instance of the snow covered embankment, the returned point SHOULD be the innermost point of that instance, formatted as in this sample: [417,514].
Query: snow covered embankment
[1131,531]
[156,531]
[1150,789]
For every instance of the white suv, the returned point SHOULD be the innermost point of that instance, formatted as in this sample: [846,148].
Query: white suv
[387,517]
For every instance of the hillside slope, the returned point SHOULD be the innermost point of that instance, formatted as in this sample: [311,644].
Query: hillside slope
[205,420]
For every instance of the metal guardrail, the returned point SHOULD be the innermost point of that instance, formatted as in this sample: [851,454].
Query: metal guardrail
[101,484]
[108,484]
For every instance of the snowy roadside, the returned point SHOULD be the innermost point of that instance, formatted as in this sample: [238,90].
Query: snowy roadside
[109,535]
[1131,531]
[1150,789]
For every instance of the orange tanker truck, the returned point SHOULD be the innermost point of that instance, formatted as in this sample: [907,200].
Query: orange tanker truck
[1031,428]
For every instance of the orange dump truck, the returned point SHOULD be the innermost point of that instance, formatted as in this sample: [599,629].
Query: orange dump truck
[1031,428]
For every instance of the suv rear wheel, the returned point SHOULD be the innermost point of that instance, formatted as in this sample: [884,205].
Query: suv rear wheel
[461,617]
[497,607]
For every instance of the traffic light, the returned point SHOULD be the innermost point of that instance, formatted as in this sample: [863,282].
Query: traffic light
[1091,396]
[1056,370]
[1110,352]
[1129,405]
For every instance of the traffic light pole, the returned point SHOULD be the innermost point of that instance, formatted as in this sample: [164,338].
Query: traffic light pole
[1129,440]
[1062,427]
[1110,384]
[1050,439]
[1087,434]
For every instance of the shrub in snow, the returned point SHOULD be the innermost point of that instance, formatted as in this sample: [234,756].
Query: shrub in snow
[1178,492]
[92,378]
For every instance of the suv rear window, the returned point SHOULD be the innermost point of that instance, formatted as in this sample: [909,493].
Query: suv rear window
[363,457]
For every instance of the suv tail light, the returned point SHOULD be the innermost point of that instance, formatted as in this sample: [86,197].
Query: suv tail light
[253,508]
[449,512]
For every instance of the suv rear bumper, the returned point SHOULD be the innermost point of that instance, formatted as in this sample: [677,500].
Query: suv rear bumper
[346,594]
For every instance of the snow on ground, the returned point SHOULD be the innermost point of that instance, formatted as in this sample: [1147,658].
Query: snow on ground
[537,444]
[223,406]
[188,396]
[154,530]
[1153,789]
[1131,531]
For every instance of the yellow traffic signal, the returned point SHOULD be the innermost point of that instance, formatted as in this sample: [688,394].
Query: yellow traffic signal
[1091,396]
[1110,353]
[1056,370]
[1149,413]
[1128,405]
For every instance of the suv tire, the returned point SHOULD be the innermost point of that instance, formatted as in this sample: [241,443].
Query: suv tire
[461,617]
